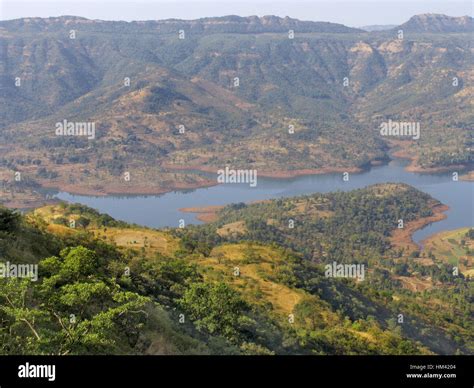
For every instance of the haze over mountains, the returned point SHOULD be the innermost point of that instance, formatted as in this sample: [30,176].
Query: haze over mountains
[332,84]
[438,23]
[378,27]
[235,24]
[429,23]
[231,24]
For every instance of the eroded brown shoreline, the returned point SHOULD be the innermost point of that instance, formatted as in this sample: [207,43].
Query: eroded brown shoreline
[403,238]
[142,189]
[273,174]
[413,166]
[205,214]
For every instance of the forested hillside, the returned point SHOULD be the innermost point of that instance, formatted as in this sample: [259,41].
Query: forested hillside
[244,284]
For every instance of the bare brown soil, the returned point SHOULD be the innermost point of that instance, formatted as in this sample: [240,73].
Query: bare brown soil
[402,238]
[469,176]
[205,214]
[415,284]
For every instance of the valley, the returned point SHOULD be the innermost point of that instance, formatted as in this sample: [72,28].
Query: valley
[162,105]
[181,186]
[200,205]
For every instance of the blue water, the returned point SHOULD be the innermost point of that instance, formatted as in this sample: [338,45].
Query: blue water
[163,210]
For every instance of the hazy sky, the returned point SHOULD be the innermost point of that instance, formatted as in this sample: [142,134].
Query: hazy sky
[350,12]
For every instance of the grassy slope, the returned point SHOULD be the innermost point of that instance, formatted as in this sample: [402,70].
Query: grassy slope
[454,248]
[259,283]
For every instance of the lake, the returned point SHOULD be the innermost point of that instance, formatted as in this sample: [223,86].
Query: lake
[163,210]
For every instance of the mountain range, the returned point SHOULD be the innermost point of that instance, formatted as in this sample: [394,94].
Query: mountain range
[171,96]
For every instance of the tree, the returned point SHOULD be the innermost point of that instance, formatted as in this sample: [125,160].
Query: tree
[308,313]
[216,308]
[19,320]
[83,222]
[9,220]
[76,309]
